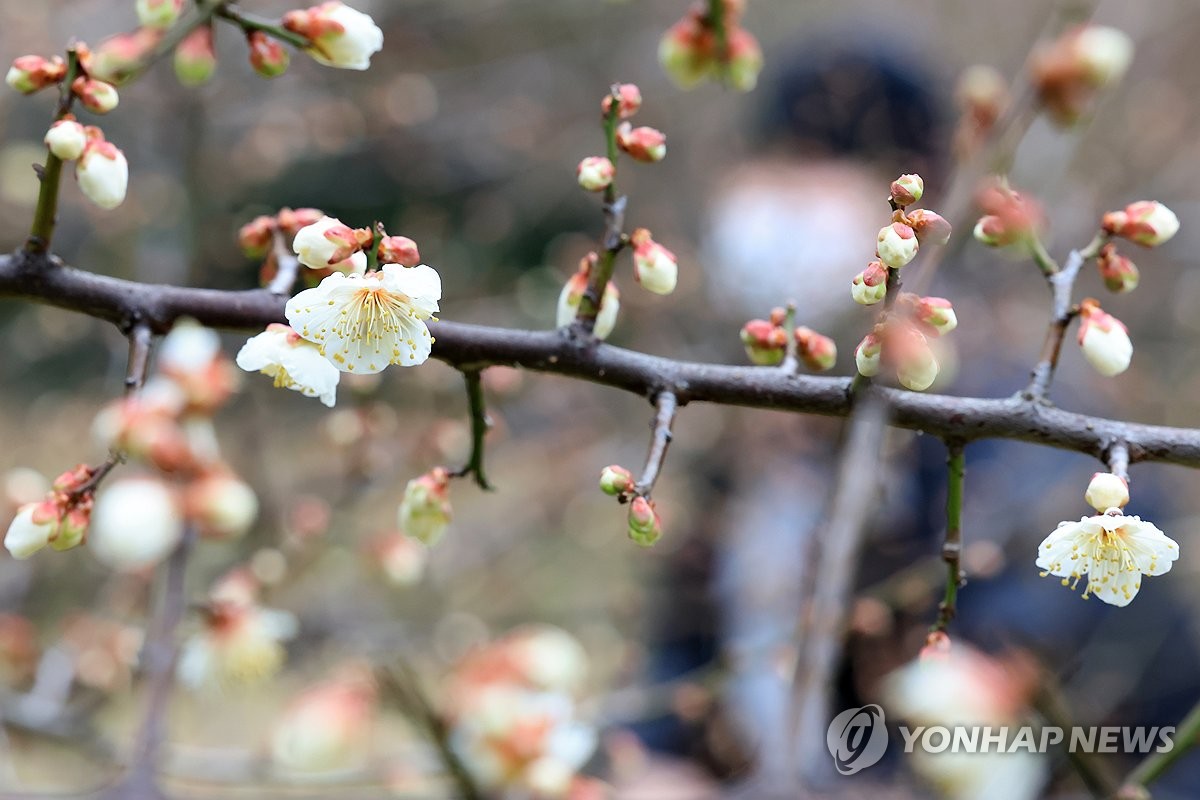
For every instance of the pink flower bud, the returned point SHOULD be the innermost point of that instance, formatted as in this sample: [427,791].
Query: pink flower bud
[897,245]
[1146,222]
[937,647]
[118,56]
[1118,272]
[645,527]
[933,315]
[930,228]
[686,52]
[817,352]
[398,250]
[1103,339]
[267,56]
[292,220]
[340,36]
[325,243]
[642,144]
[66,139]
[103,173]
[907,189]
[255,237]
[159,14]
[595,173]
[97,96]
[28,74]
[867,355]
[425,510]
[222,506]
[629,101]
[870,286]
[1008,218]
[196,58]
[1067,72]
[745,60]
[765,342]
[616,480]
[1106,491]
[654,266]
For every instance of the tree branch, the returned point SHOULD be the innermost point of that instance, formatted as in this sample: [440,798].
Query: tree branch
[664,418]
[480,425]
[956,468]
[47,280]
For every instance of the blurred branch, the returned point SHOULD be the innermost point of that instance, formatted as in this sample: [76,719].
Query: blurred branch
[480,425]
[1094,772]
[1187,733]
[140,339]
[1062,283]
[45,279]
[1117,459]
[287,266]
[250,23]
[956,468]
[666,404]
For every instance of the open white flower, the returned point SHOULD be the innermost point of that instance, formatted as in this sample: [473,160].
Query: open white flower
[1114,552]
[293,362]
[362,323]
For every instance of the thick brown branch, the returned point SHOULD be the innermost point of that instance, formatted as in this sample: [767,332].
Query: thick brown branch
[473,346]
[666,404]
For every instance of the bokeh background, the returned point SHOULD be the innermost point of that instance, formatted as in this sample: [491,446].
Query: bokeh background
[464,136]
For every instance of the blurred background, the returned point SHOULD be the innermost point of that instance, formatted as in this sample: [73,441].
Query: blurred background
[464,136]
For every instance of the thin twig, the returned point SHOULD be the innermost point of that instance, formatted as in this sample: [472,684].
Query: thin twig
[140,339]
[250,23]
[1095,773]
[614,239]
[287,266]
[790,363]
[45,215]
[481,423]
[666,404]
[956,467]
[1152,767]
[1117,459]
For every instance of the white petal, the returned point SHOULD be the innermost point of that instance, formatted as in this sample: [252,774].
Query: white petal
[1065,552]
[1152,550]
[314,375]
[261,351]
[419,282]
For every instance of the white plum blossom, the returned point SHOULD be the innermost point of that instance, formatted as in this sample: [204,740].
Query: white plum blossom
[1112,550]
[341,36]
[66,139]
[295,363]
[136,523]
[363,323]
[103,174]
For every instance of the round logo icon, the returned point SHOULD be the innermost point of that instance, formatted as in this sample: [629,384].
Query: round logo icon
[857,738]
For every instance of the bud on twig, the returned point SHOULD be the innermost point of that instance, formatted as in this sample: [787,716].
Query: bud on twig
[195,57]
[96,96]
[907,189]
[1146,222]
[255,237]
[642,144]
[398,250]
[867,355]
[645,527]
[817,352]
[158,14]
[66,139]
[102,171]
[29,74]
[897,245]
[267,56]
[425,510]
[870,286]
[616,481]
[630,100]
[765,342]
[341,36]
[654,265]
[1106,491]
[595,173]
[930,227]
[1118,272]
[1103,339]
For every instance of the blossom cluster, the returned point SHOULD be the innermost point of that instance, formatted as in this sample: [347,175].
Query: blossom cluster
[699,46]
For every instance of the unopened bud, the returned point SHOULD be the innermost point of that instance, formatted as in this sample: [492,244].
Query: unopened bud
[744,59]
[868,355]
[28,74]
[96,96]
[642,144]
[195,57]
[684,53]
[267,56]
[816,351]
[937,647]
[341,36]
[103,173]
[1146,222]
[645,527]
[934,315]
[1009,217]
[616,480]
[917,370]
[222,506]
[293,220]
[930,227]
[136,524]
[158,14]
[907,189]
[1104,53]
[1118,272]
[654,266]
[765,342]
[255,236]
[870,286]
[595,173]
[1106,491]
[26,534]
[778,316]
[398,250]
[897,245]
[66,139]
[325,243]
[629,100]
[1103,339]
[425,510]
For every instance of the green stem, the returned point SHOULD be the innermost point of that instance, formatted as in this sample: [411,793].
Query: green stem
[480,425]
[614,217]
[46,213]
[1154,765]
[716,20]
[1042,257]
[250,23]
[956,469]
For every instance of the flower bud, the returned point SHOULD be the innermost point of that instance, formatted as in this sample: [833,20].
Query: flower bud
[867,355]
[870,286]
[934,315]
[118,57]
[28,74]
[267,56]
[1103,339]
[930,228]
[744,59]
[595,173]
[616,480]
[291,221]
[158,14]
[907,189]
[1146,222]
[27,534]
[606,319]
[645,527]
[324,243]
[103,173]
[398,250]
[196,58]
[817,352]
[982,93]
[654,265]
[917,370]
[629,100]
[685,52]
[765,342]
[97,96]
[222,506]
[326,728]
[402,558]
[1103,53]
[1009,217]
[255,237]
[136,524]
[897,245]
[642,144]
[340,36]
[425,510]
[778,316]
[572,295]
[66,139]
[1118,272]
[937,647]
[1106,491]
